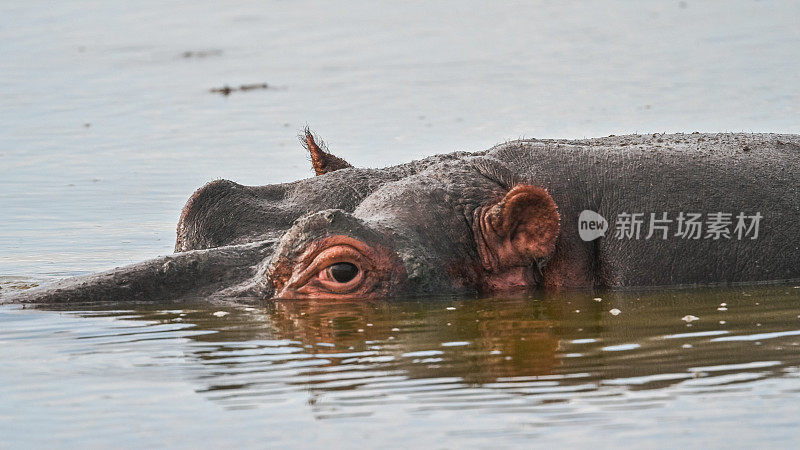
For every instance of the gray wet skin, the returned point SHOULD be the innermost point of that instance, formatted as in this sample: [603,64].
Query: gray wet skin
[232,238]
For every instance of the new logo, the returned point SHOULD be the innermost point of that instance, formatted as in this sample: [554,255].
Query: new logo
[591,225]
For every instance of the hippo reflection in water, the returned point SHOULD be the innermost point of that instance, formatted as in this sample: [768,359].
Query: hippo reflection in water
[665,210]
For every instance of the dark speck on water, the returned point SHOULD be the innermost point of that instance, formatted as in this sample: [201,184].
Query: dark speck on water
[227,90]
[201,53]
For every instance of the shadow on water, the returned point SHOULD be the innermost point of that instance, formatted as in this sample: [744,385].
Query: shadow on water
[495,355]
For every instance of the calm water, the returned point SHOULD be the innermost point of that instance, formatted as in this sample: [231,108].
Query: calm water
[107,125]
[655,370]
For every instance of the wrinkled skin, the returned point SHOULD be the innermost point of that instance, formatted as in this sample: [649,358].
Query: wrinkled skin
[497,221]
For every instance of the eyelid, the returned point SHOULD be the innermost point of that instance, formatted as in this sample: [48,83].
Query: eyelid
[334,287]
[323,259]
[299,277]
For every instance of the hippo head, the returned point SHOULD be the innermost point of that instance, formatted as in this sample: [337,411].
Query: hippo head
[461,226]
[462,223]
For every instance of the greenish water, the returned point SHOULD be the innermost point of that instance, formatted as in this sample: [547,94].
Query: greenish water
[107,125]
[692,368]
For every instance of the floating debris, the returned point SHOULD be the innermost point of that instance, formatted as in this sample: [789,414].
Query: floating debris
[220,314]
[451,308]
[200,53]
[227,90]
[598,299]
[689,318]
[21,285]
[615,312]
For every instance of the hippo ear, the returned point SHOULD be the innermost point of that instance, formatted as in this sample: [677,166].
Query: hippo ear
[518,230]
[322,161]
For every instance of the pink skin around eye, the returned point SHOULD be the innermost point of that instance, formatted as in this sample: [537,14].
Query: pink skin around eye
[378,269]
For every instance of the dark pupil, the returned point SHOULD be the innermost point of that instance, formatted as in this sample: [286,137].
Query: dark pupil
[343,272]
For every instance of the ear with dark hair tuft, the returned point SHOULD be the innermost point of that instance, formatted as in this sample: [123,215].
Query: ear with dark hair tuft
[519,230]
[322,161]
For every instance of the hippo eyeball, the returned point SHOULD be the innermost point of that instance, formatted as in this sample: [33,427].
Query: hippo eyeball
[342,272]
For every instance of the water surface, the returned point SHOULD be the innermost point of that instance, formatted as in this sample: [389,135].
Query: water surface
[689,368]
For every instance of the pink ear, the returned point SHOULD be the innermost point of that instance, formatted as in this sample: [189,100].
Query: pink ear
[518,230]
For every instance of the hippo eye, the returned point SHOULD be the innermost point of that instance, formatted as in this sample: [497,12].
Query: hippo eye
[336,267]
[342,272]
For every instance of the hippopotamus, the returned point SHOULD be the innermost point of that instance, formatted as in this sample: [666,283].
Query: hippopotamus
[618,212]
